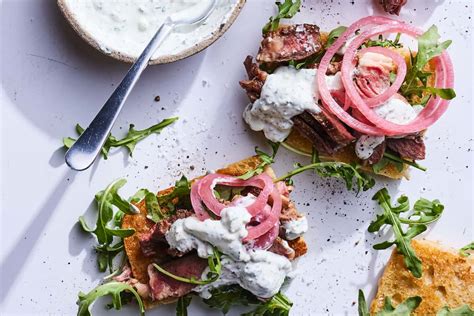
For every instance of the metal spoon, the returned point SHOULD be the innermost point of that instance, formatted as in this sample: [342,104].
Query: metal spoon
[85,150]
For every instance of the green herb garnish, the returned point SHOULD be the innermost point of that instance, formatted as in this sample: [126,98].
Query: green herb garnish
[129,141]
[403,309]
[424,212]
[416,79]
[178,198]
[224,297]
[464,250]
[362,307]
[267,159]
[398,162]
[334,35]
[464,310]
[215,267]
[384,42]
[182,305]
[278,305]
[286,10]
[348,172]
[108,224]
[115,289]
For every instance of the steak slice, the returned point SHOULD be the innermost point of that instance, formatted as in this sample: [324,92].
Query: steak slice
[290,42]
[153,243]
[253,86]
[393,6]
[377,155]
[163,287]
[410,147]
[325,132]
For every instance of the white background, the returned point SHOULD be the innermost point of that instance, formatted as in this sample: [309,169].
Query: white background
[51,80]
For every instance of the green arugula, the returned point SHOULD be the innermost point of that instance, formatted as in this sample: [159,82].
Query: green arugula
[181,193]
[403,309]
[464,250]
[334,35]
[286,10]
[395,160]
[129,141]
[225,297]
[348,172]
[278,305]
[384,42]
[108,225]
[464,310]
[115,289]
[267,159]
[363,309]
[424,212]
[215,267]
[415,84]
[182,305]
[153,207]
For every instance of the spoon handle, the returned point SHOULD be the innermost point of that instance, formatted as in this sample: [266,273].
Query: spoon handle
[84,151]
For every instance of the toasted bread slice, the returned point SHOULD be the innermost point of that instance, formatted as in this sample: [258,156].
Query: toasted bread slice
[139,263]
[447,280]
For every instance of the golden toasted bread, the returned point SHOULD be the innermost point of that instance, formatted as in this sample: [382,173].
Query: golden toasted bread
[447,280]
[139,263]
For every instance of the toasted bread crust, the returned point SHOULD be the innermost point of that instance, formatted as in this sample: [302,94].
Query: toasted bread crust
[447,280]
[139,263]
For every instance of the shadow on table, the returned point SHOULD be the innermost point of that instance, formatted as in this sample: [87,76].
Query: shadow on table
[14,261]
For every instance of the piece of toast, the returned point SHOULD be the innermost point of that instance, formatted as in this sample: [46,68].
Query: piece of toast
[139,263]
[447,280]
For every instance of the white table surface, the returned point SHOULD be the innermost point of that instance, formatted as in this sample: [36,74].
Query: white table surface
[51,80]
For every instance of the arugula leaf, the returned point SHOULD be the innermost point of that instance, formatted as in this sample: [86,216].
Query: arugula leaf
[334,35]
[424,212]
[107,225]
[397,161]
[153,207]
[115,289]
[181,192]
[267,159]
[129,141]
[286,10]
[403,309]
[464,250]
[362,307]
[348,172]
[215,268]
[278,305]
[384,42]
[225,297]
[182,305]
[464,310]
[138,196]
[415,85]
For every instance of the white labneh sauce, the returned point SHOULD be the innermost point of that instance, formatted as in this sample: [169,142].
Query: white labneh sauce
[295,228]
[366,144]
[126,26]
[286,93]
[398,111]
[259,271]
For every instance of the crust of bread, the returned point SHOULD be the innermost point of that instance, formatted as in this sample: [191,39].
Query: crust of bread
[447,280]
[139,263]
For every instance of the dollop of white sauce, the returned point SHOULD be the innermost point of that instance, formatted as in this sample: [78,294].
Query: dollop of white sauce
[397,111]
[259,271]
[366,145]
[295,228]
[263,275]
[286,93]
[225,234]
[126,26]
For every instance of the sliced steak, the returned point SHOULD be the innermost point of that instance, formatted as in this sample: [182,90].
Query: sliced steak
[371,81]
[163,287]
[325,132]
[281,247]
[153,243]
[393,6]
[253,86]
[290,42]
[377,155]
[410,147]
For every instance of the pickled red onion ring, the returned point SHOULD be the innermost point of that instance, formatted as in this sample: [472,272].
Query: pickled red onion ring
[379,126]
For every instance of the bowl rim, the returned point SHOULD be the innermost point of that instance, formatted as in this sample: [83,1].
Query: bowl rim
[215,35]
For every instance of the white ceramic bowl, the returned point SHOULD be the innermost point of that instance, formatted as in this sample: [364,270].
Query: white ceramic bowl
[80,26]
